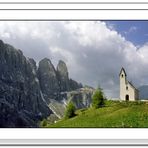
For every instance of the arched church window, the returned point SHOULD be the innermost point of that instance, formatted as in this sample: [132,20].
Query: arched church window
[126,87]
[122,75]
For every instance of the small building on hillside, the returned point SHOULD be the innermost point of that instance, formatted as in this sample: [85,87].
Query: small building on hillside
[128,92]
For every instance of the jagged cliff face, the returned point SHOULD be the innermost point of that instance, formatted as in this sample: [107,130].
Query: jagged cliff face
[73,85]
[80,97]
[62,74]
[54,82]
[48,79]
[21,100]
[29,93]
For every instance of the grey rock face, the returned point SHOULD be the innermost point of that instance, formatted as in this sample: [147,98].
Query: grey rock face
[33,65]
[73,85]
[21,100]
[57,107]
[53,82]
[81,97]
[62,74]
[29,93]
[48,79]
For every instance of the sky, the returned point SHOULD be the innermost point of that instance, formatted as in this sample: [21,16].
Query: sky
[94,51]
[134,31]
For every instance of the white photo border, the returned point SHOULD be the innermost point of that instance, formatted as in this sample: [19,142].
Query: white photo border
[73,11]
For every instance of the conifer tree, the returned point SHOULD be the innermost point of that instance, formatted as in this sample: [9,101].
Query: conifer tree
[98,98]
[70,110]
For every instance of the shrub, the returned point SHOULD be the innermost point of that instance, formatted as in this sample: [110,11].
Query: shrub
[98,98]
[70,110]
[44,122]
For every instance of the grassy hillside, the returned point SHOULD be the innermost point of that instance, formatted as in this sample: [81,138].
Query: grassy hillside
[114,114]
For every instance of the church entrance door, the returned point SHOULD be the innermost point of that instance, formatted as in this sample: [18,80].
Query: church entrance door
[127,97]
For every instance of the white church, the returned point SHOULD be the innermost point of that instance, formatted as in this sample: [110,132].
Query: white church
[128,92]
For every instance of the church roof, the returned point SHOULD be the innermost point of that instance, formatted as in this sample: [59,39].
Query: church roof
[122,69]
[132,85]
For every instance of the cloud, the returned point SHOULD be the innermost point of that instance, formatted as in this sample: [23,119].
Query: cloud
[93,52]
[131,30]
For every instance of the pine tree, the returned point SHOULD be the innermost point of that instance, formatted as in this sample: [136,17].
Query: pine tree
[98,98]
[70,110]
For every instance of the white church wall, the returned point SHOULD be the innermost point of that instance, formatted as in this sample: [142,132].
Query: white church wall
[127,91]
[130,92]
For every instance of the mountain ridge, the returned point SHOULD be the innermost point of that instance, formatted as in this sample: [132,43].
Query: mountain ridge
[26,89]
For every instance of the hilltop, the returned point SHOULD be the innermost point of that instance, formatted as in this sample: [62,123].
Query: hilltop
[115,114]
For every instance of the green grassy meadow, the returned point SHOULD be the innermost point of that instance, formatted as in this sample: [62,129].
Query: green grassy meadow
[114,114]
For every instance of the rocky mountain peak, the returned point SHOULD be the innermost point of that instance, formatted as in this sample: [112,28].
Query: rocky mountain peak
[62,74]
[62,68]
[47,66]
[1,43]
[21,101]
[27,92]
[33,64]
[48,79]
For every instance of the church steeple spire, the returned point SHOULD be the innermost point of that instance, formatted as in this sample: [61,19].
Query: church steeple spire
[122,71]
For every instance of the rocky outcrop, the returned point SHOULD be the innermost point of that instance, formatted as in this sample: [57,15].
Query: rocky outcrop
[63,77]
[73,85]
[54,82]
[21,100]
[80,97]
[57,107]
[33,65]
[48,79]
[29,93]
